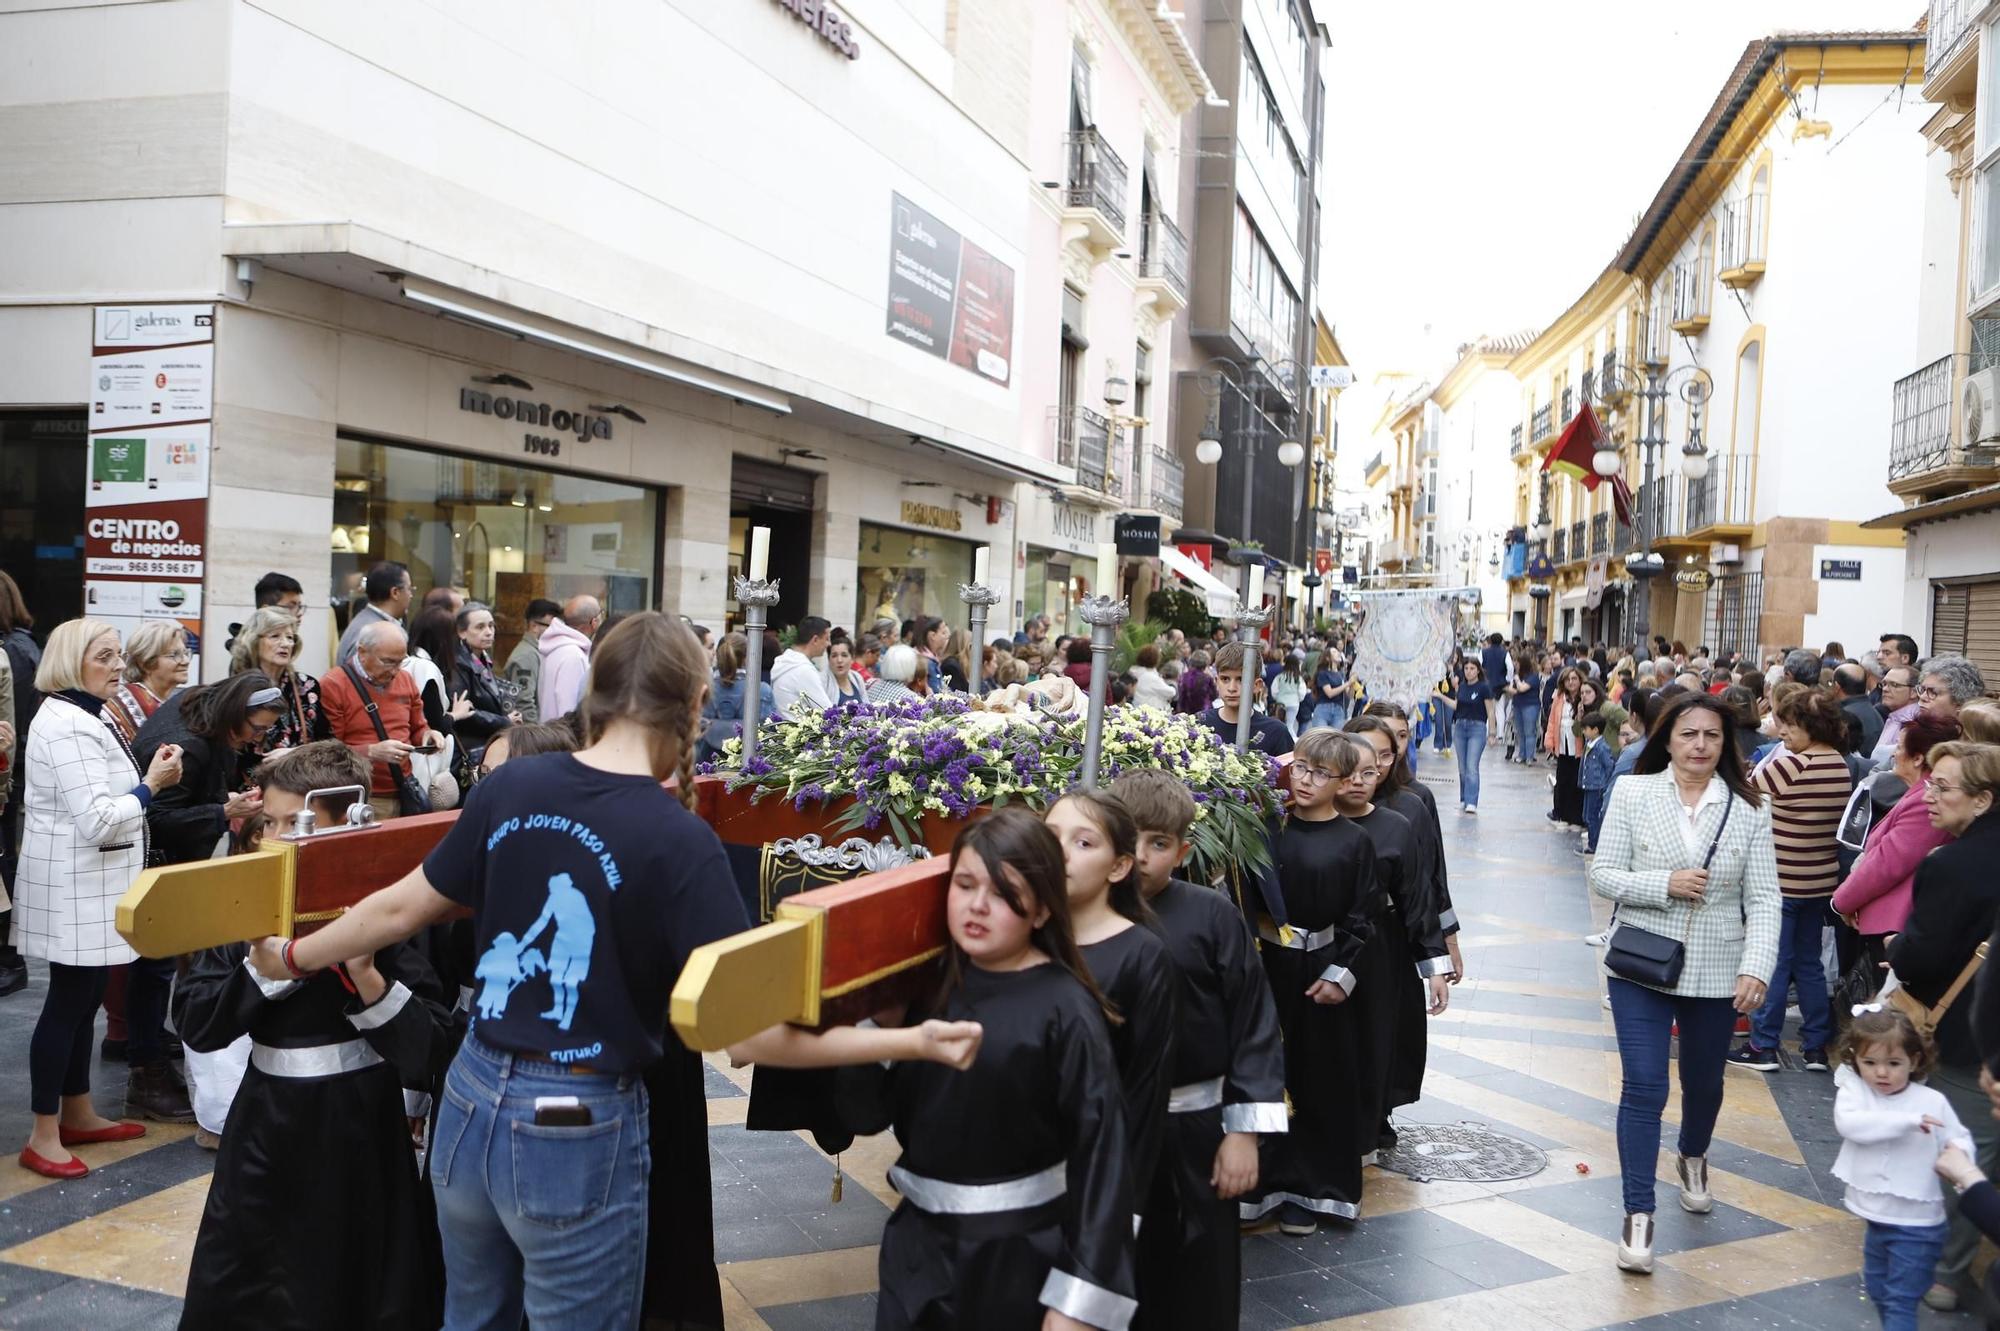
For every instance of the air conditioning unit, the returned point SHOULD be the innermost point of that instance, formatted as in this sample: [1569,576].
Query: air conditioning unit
[1979,409]
[1725,554]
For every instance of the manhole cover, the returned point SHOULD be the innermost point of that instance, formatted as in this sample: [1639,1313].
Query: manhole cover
[1426,1151]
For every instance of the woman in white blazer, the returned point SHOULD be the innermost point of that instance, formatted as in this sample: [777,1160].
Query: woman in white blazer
[1686,854]
[82,844]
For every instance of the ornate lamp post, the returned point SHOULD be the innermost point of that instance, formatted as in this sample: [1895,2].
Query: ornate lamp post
[1104,613]
[1222,375]
[1616,384]
[979,598]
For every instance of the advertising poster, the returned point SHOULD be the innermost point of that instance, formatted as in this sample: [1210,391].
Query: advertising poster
[146,508]
[947,296]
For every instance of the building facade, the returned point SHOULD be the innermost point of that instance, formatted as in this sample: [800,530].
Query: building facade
[1467,504]
[1943,455]
[538,336]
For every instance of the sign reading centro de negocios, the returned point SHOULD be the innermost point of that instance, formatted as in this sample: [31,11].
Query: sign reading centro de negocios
[947,296]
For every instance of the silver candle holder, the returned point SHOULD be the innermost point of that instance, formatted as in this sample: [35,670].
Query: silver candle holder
[1249,624]
[1104,614]
[756,597]
[978,599]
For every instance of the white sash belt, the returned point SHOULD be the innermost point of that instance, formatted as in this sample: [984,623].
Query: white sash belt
[320,1060]
[1285,935]
[1195,1096]
[1018,1194]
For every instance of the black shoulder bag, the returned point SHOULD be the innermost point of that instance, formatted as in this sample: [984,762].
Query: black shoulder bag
[1647,958]
[411,797]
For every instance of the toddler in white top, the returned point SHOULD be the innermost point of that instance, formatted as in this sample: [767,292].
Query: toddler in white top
[1891,1130]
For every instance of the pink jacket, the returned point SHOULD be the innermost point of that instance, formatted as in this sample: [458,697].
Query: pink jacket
[1878,890]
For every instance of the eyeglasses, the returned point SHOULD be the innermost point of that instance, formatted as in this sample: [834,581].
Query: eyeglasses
[1315,775]
[1941,788]
[1927,691]
[181,655]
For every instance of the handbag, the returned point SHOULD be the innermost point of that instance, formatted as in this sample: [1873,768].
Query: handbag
[411,797]
[1651,959]
[1924,1016]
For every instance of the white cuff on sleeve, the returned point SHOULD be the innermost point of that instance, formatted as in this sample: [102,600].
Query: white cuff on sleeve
[1341,976]
[1258,1117]
[1087,1303]
[383,1010]
[272,989]
[1430,966]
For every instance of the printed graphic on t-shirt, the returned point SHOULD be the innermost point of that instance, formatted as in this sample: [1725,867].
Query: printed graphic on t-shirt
[558,943]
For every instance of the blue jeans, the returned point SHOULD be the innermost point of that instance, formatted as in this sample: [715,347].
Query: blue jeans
[1441,737]
[1528,732]
[1896,1262]
[547,1219]
[1469,737]
[1645,1020]
[1593,814]
[1798,963]
[1329,713]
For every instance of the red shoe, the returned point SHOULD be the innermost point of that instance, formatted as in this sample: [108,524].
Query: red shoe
[117,1132]
[69,1169]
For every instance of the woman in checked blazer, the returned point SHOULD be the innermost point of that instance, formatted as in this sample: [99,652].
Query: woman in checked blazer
[83,844]
[1663,820]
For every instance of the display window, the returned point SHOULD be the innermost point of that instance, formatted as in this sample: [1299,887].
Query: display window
[904,574]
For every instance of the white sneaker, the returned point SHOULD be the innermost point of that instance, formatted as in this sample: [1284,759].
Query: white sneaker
[1597,940]
[1635,1244]
[1694,1185]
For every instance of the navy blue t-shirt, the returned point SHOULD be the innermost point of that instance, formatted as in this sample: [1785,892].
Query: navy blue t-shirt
[1472,700]
[588,890]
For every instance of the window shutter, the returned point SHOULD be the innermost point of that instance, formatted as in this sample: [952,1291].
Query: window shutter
[1982,630]
[1948,607]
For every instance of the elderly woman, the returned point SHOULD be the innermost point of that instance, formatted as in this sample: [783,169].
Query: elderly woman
[1686,854]
[1875,898]
[1808,787]
[269,645]
[156,663]
[84,841]
[1150,688]
[893,676]
[1954,904]
[1947,684]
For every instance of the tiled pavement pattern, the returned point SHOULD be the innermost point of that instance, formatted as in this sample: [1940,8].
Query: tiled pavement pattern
[1526,1048]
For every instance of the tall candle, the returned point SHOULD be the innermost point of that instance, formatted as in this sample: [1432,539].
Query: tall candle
[979,562]
[1254,598]
[1107,570]
[760,553]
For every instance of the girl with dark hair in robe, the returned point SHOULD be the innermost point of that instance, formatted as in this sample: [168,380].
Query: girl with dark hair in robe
[1408,950]
[1324,894]
[1401,791]
[1017,1194]
[1130,964]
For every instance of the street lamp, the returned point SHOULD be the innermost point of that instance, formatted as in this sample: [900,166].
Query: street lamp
[1651,386]
[1221,376]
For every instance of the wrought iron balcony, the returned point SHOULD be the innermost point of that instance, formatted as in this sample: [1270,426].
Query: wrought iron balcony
[1624,538]
[1542,426]
[1559,546]
[1743,239]
[1576,539]
[1950,24]
[1163,254]
[1722,498]
[1600,534]
[1169,483]
[1514,442]
[1607,372]
[1662,508]
[1926,457]
[1569,404]
[1096,177]
[1083,441]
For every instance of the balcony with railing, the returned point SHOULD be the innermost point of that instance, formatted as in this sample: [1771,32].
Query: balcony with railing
[1169,483]
[1927,459]
[1949,34]
[1163,263]
[1600,534]
[1577,549]
[1662,508]
[1658,331]
[1083,441]
[1720,500]
[1249,317]
[1693,283]
[1743,239]
[1568,405]
[1094,188]
[1559,546]
[1514,442]
[1378,467]
[1542,423]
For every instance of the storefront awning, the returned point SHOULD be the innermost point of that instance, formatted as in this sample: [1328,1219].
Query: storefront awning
[1221,597]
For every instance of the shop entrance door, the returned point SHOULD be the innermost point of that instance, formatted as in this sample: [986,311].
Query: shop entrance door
[781,498]
[42,464]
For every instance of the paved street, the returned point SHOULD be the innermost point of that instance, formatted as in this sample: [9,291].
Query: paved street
[1526,1049]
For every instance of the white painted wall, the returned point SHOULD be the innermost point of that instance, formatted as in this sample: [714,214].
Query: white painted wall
[1476,480]
[1856,614]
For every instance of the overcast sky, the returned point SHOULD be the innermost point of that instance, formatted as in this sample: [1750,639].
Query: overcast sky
[1485,161]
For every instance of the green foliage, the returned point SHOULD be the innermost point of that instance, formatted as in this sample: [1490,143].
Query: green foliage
[1179,608]
[1135,634]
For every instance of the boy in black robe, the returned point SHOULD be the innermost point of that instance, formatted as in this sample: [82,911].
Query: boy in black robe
[317,1217]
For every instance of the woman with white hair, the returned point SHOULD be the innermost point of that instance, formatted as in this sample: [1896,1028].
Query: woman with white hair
[83,844]
[269,645]
[156,663]
[893,674]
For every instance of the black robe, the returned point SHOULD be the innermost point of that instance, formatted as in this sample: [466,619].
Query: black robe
[1042,1092]
[1408,947]
[1326,872]
[317,1216]
[1134,970]
[1440,871]
[1190,1264]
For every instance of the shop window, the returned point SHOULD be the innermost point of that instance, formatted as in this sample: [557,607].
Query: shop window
[42,457]
[504,533]
[903,574]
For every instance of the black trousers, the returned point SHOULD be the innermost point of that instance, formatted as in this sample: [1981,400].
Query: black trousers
[1190,1246]
[148,982]
[59,1051]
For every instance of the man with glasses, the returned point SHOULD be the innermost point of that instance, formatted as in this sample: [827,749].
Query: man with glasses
[1899,695]
[523,671]
[378,659]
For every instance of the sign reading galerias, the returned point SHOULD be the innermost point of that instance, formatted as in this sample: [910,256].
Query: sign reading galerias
[146,510]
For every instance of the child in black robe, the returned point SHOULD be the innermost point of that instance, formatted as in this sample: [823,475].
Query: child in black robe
[317,1216]
[1228,1074]
[1325,896]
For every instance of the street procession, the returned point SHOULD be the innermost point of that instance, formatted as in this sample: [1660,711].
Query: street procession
[999,665]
